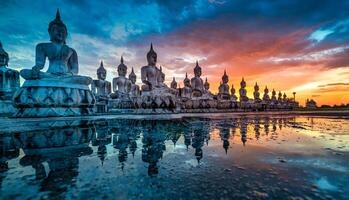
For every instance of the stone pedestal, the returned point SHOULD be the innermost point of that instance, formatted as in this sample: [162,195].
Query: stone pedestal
[6,108]
[157,98]
[53,98]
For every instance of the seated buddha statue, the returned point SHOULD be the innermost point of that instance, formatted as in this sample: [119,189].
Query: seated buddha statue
[101,88]
[266,97]
[256,93]
[197,84]
[243,91]
[161,79]
[134,90]
[9,78]
[280,97]
[273,97]
[223,90]
[63,60]
[150,73]
[207,93]
[121,84]
[59,91]
[174,84]
[233,97]
[186,90]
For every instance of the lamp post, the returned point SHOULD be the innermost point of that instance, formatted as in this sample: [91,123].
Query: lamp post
[294,96]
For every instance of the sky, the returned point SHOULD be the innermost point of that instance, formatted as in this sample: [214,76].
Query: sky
[290,46]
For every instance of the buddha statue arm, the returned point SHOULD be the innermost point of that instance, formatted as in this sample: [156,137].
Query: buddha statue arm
[115,85]
[73,63]
[93,88]
[108,88]
[144,76]
[40,58]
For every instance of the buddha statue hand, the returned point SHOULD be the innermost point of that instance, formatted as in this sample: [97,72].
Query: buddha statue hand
[35,72]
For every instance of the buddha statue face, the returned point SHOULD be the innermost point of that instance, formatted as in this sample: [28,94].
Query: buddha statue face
[197,72]
[133,79]
[58,33]
[225,79]
[152,59]
[187,83]
[122,71]
[102,75]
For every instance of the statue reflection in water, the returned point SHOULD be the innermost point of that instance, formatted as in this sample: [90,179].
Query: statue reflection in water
[153,145]
[60,148]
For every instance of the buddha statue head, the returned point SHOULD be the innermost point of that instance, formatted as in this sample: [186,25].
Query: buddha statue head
[197,70]
[280,95]
[186,81]
[243,83]
[232,90]
[101,72]
[3,56]
[284,96]
[206,85]
[256,87]
[151,56]
[174,83]
[273,92]
[122,68]
[225,77]
[266,90]
[132,77]
[57,30]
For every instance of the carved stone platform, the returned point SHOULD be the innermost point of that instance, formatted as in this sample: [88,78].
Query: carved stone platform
[6,108]
[51,98]
[155,100]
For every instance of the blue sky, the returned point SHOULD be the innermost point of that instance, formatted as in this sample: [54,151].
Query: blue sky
[255,39]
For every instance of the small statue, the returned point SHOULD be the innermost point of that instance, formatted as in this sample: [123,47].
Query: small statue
[197,84]
[256,93]
[186,91]
[284,98]
[266,97]
[121,84]
[273,97]
[174,83]
[224,88]
[9,78]
[206,85]
[100,87]
[242,91]
[233,97]
[280,97]
[161,79]
[134,91]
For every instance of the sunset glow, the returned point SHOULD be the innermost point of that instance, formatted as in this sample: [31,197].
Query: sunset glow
[289,46]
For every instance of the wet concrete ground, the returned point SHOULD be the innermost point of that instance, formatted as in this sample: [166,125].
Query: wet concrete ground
[208,157]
